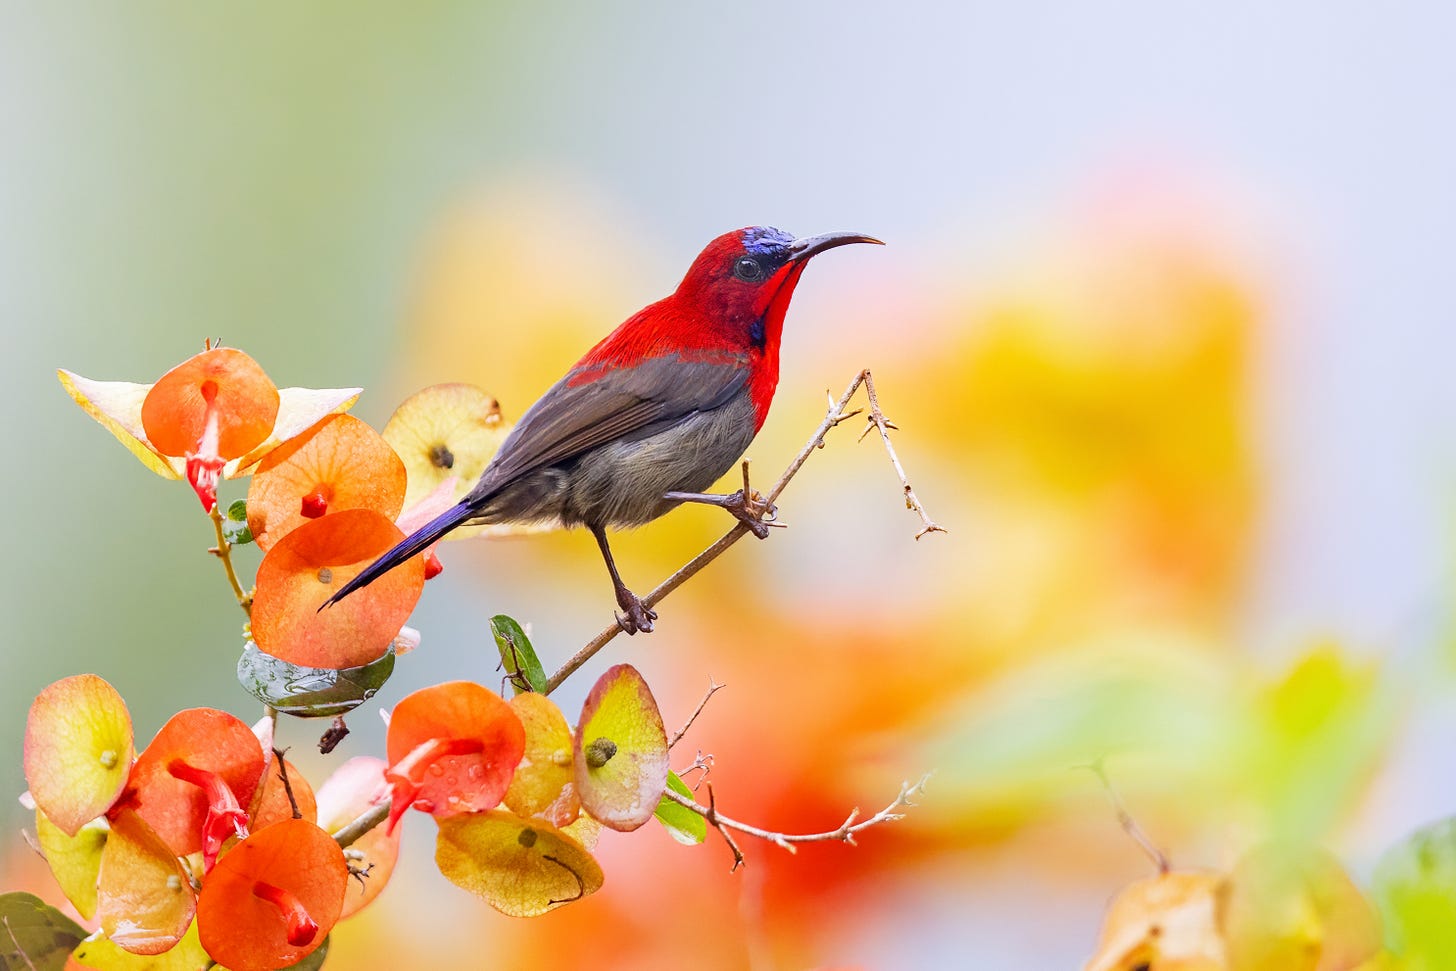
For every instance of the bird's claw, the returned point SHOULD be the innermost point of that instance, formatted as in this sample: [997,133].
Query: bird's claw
[638,617]
[753,511]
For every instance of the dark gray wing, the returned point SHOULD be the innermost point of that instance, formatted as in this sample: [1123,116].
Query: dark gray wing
[623,403]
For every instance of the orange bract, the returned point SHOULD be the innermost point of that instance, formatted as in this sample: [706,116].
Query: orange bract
[303,569]
[99,954]
[445,431]
[224,381]
[522,867]
[274,898]
[210,742]
[461,712]
[340,464]
[620,751]
[145,900]
[74,860]
[543,783]
[78,750]
[1164,921]
[1296,909]
[270,802]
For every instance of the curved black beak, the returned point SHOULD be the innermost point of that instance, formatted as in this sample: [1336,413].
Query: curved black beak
[806,246]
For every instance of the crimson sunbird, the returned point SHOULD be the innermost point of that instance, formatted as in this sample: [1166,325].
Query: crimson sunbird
[652,416]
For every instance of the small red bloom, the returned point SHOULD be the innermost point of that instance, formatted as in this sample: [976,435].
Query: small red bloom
[225,818]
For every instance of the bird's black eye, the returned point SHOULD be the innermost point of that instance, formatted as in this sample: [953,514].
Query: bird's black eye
[748,269]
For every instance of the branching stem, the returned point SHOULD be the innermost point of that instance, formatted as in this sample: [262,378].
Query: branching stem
[878,420]
[713,688]
[223,551]
[844,833]
[366,821]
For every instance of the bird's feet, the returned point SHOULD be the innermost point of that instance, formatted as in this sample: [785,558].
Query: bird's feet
[638,615]
[752,510]
[749,507]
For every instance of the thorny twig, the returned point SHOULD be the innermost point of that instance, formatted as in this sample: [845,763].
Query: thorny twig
[701,763]
[878,420]
[844,833]
[713,688]
[834,417]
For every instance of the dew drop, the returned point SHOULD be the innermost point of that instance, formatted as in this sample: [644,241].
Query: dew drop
[436,769]
[325,575]
[108,759]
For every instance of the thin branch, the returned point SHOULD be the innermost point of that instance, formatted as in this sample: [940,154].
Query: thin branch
[713,688]
[878,420]
[835,415]
[701,763]
[223,551]
[1127,822]
[715,821]
[844,833]
[287,786]
[366,821]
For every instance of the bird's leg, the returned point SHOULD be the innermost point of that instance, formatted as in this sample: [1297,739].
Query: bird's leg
[639,615]
[750,509]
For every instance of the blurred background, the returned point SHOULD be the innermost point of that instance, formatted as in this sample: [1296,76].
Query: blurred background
[1164,317]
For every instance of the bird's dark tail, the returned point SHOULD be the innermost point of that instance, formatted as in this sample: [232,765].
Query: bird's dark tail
[410,546]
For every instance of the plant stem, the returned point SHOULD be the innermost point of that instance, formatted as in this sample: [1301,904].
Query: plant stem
[223,551]
[366,821]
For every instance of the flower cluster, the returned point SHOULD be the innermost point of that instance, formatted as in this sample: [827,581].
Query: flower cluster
[207,844]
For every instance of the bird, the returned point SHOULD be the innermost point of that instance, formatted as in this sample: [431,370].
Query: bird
[650,417]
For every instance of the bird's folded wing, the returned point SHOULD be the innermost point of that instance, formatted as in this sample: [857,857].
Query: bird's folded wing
[618,404]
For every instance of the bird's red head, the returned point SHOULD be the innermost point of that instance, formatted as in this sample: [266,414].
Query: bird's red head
[741,283]
[737,292]
[730,306]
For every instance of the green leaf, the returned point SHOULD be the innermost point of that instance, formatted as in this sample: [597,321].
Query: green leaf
[238,511]
[34,936]
[238,534]
[1415,887]
[682,824]
[310,692]
[518,657]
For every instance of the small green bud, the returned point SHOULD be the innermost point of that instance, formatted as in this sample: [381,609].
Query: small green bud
[238,511]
